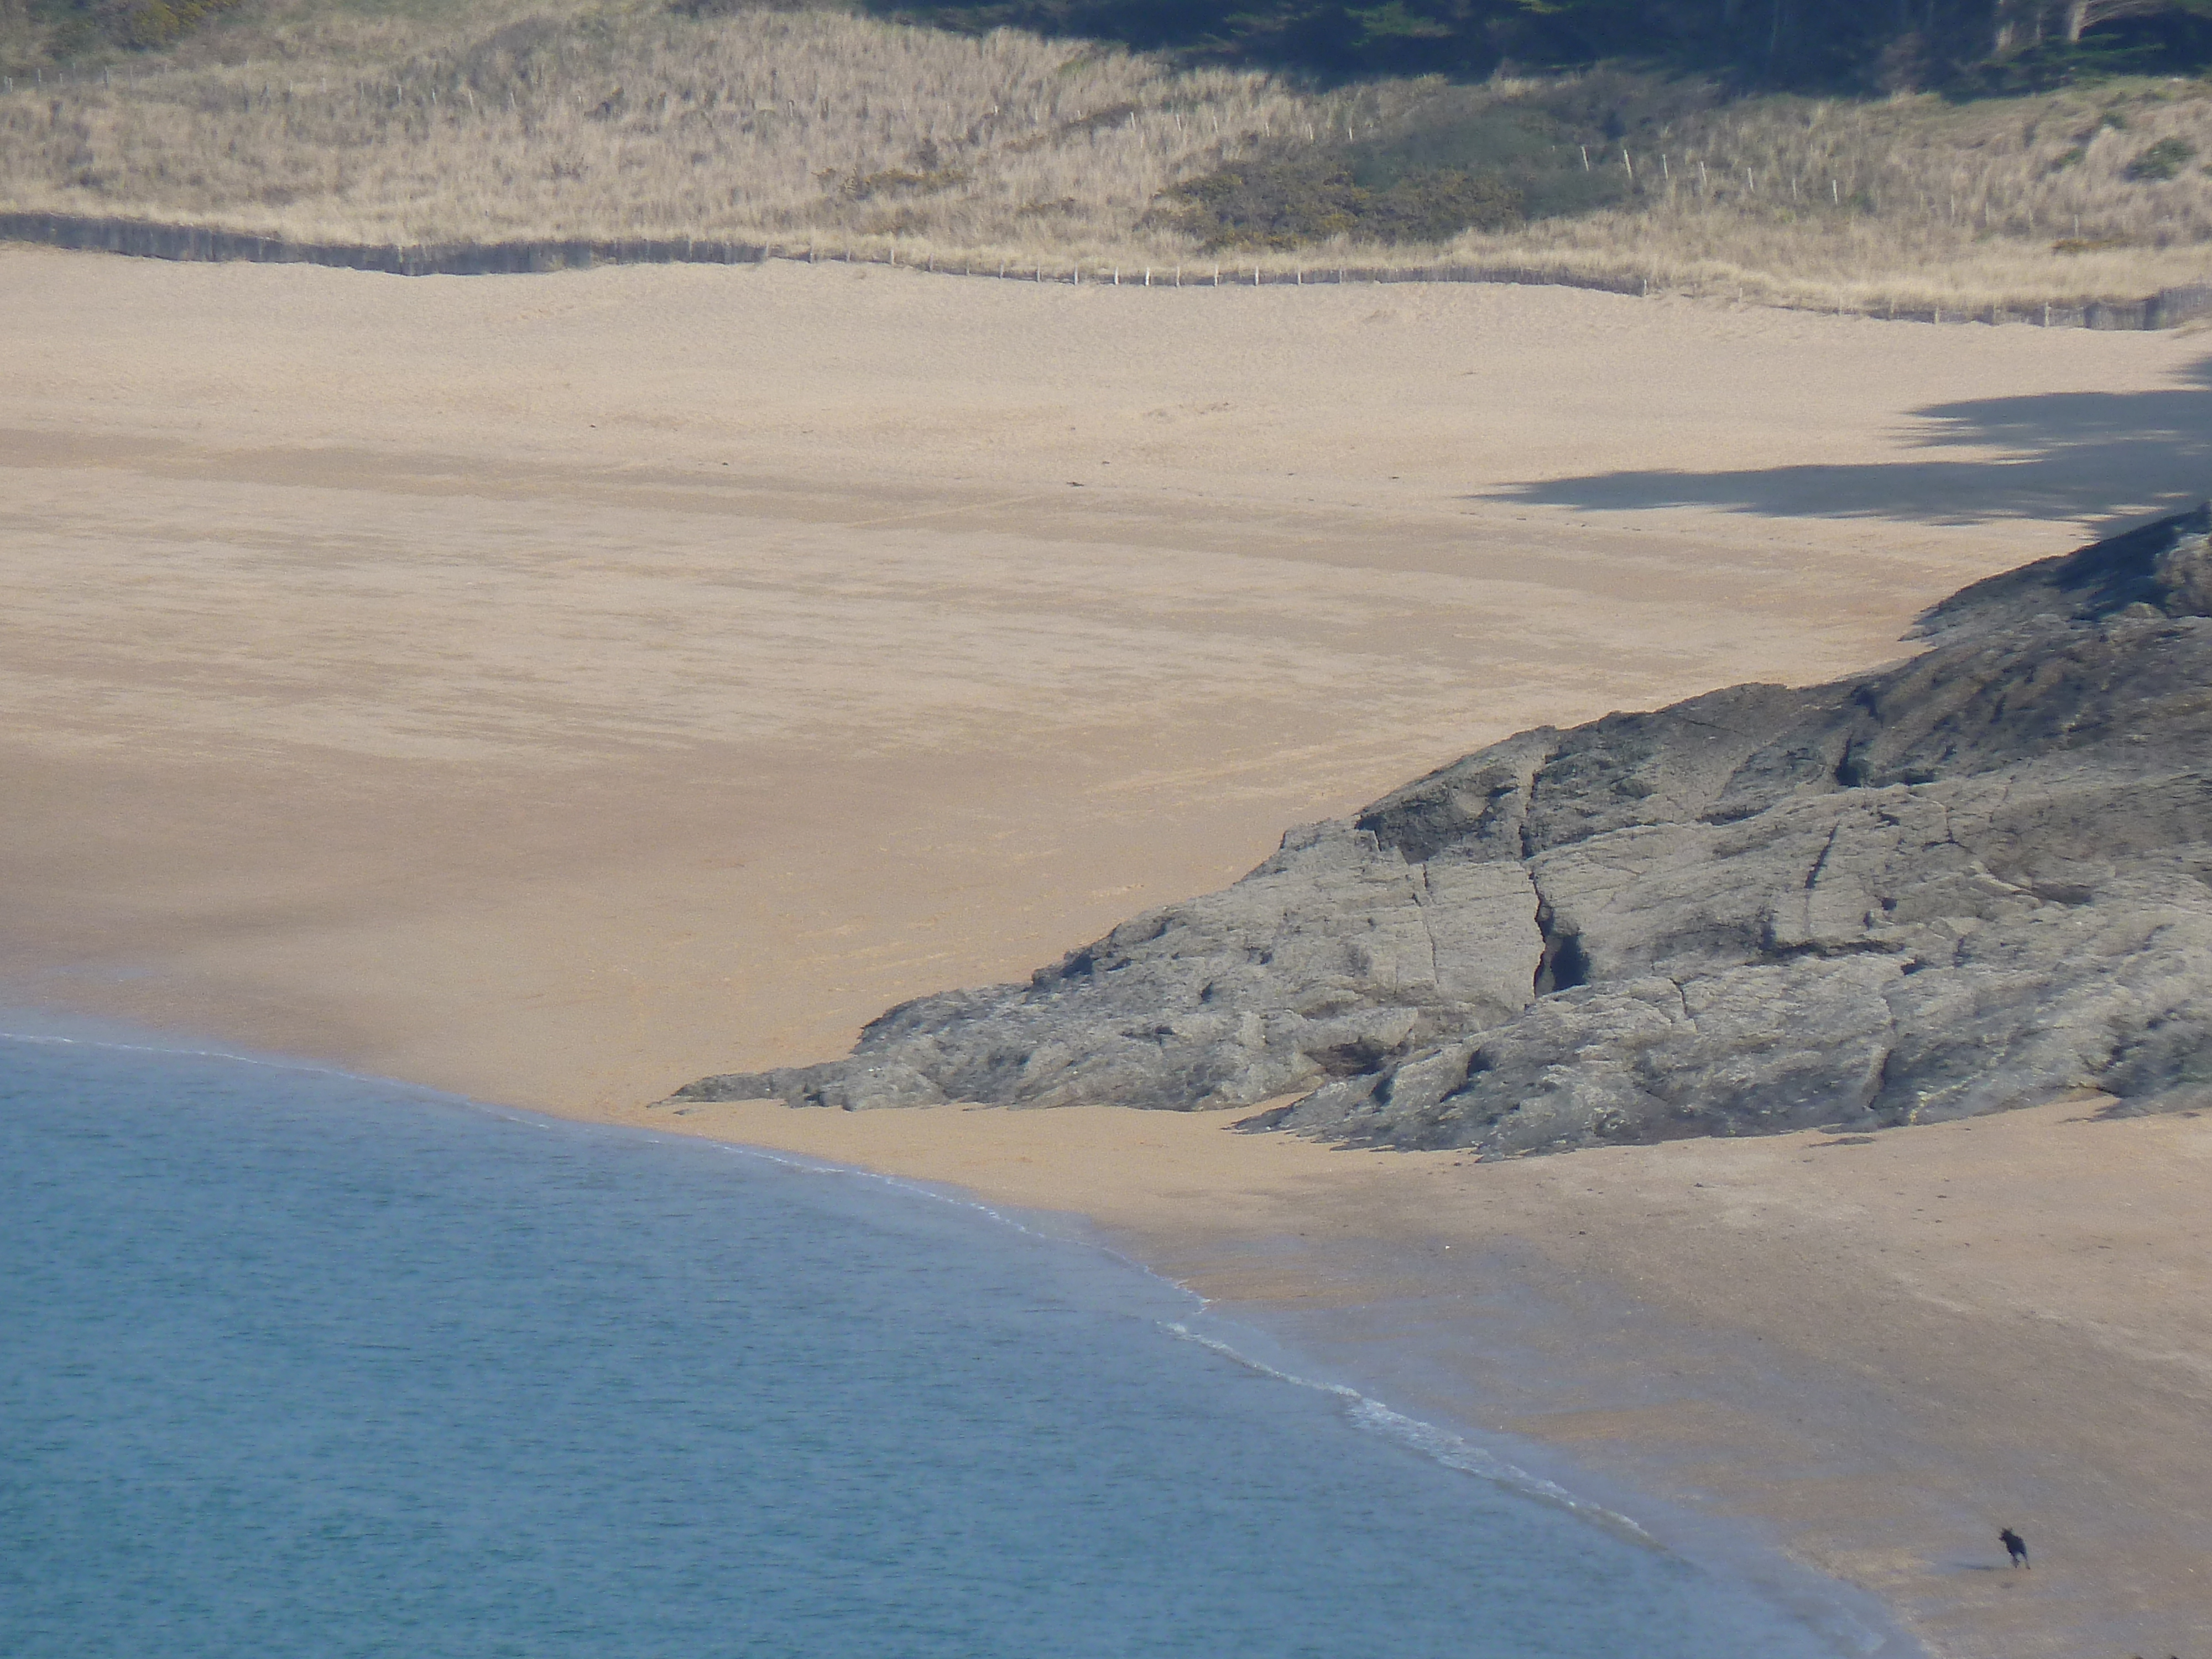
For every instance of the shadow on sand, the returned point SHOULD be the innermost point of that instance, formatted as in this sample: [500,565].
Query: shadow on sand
[2107,457]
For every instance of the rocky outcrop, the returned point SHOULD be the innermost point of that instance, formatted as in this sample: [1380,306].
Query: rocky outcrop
[1968,882]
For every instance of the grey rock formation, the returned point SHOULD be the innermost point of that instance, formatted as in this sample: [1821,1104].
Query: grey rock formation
[1966,883]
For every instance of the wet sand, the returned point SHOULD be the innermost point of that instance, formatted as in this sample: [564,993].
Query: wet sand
[1875,1350]
[554,689]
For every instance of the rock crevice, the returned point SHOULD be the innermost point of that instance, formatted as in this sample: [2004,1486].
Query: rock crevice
[1968,881]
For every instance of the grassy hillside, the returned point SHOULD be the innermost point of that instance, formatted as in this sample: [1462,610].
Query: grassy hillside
[488,119]
[2010,201]
[438,120]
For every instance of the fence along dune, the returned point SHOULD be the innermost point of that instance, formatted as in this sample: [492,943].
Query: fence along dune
[2168,309]
[503,122]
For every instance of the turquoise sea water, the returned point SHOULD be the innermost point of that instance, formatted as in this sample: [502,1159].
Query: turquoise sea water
[293,1363]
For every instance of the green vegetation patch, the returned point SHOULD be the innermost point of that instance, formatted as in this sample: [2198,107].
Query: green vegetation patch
[1442,159]
[74,27]
[858,186]
[2163,160]
[1288,203]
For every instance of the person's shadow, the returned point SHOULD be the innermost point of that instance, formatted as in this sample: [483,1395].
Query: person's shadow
[2105,456]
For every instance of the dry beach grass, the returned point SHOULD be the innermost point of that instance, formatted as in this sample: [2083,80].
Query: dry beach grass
[606,118]
[508,119]
[1911,203]
[554,689]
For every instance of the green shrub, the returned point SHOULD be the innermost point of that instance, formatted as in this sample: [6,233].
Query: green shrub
[2163,160]
[1444,159]
[76,26]
[1282,203]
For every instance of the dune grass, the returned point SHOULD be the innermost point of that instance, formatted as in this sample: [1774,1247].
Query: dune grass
[2012,202]
[477,120]
[498,120]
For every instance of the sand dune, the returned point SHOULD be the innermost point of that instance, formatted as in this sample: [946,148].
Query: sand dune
[556,689]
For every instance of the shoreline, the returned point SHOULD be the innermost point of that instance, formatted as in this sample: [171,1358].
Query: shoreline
[1737,1554]
[1733,1551]
[1724,1379]
[554,692]
[1698,1366]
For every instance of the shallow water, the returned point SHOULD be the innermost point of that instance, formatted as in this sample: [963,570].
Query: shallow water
[293,1363]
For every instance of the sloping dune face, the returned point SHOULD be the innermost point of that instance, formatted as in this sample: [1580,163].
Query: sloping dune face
[1968,882]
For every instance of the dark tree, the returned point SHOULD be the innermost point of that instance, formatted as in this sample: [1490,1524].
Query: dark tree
[1861,43]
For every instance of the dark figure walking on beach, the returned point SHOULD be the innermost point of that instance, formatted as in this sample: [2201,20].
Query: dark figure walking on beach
[2015,1546]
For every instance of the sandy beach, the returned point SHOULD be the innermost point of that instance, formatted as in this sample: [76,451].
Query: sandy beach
[1877,1351]
[554,689]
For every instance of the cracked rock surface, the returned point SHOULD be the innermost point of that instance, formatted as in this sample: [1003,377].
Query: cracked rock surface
[1966,883]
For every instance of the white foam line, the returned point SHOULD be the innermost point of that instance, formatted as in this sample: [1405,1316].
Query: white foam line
[957,1201]
[897,1183]
[1441,1445]
[1438,1445]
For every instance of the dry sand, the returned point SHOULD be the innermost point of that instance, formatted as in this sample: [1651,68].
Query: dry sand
[552,689]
